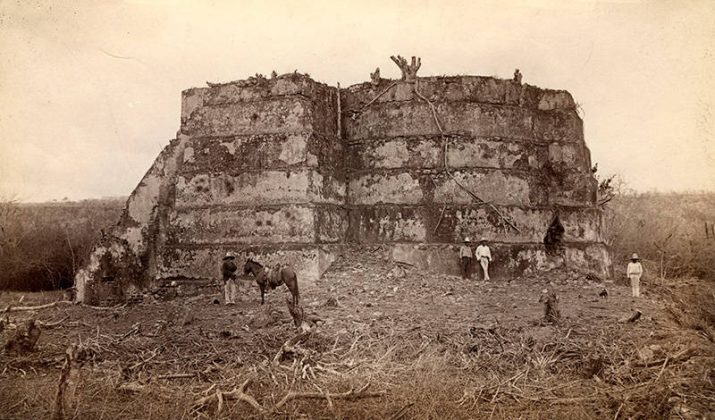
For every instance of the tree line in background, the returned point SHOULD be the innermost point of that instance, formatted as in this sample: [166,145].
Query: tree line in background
[673,233]
[42,245]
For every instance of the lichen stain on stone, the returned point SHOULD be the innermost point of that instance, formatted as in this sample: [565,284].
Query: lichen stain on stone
[293,150]
[189,155]
[392,154]
[230,146]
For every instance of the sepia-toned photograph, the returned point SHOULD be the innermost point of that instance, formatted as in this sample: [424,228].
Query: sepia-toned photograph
[376,209]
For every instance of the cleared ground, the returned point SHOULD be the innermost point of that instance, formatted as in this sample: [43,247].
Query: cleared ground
[389,342]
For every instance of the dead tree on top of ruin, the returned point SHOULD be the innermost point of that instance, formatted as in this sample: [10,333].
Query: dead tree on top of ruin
[409,71]
[375,77]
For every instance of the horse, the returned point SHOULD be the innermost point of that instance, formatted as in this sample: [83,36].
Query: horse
[273,278]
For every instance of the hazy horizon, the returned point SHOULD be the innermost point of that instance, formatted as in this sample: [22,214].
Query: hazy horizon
[91,91]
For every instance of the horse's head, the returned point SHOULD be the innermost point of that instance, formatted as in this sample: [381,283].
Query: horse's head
[251,267]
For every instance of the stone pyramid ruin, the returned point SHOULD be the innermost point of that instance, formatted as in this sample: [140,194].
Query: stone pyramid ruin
[289,170]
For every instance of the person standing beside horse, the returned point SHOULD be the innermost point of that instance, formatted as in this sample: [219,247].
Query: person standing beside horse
[273,278]
[228,270]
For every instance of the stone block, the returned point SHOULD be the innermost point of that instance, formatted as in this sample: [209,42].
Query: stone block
[416,119]
[254,225]
[236,154]
[488,153]
[254,90]
[400,188]
[566,156]
[462,152]
[573,188]
[477,221]
[371,224]
[331,223]
[582,224]
[560,126]
[398,152]
[291,114]
[260,188]
[495,186]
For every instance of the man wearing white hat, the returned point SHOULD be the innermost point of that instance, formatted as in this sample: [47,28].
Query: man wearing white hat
[484,255]
[228,270]
[634,272]
[465,258]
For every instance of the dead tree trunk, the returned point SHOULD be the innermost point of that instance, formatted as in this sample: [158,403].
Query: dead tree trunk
[24,339]
[297,313]
[552,314]
[409,71]
[67,385]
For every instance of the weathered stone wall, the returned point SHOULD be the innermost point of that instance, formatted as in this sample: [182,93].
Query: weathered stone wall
[126,258]
[262,174]
[517,147]
[260,169]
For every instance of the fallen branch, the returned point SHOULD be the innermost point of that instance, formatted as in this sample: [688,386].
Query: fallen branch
[398,262]
[131,387]
[105,308]
[52,324]
[237,394]
[290,346]
[351,394]
[11,308]
[364,107]
[398,415]
[441,215]
[177,376]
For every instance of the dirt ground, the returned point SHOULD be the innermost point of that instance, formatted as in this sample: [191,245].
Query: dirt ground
[386,342]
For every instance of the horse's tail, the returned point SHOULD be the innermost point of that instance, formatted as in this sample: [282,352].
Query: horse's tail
[297,290]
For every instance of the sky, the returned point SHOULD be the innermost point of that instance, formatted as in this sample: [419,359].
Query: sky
[90,90]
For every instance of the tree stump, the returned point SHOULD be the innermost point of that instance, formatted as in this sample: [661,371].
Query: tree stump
[24,339]
[375,77]
[409,71]
[551,309]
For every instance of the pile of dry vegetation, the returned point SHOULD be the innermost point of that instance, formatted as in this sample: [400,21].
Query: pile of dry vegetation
[386,341]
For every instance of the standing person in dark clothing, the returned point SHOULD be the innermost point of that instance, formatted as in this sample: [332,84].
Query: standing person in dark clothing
[228,270]
[465,258]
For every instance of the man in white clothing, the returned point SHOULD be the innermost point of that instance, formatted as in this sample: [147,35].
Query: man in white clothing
[484,255]
[634,273]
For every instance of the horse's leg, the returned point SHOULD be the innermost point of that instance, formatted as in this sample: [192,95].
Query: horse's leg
[295,292]
[263,292]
